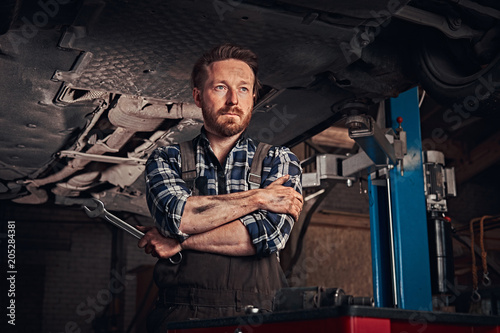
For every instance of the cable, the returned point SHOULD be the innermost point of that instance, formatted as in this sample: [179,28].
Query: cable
[476,297]
[421,98]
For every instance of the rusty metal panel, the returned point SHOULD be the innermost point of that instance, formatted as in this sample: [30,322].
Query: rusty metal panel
[147,48]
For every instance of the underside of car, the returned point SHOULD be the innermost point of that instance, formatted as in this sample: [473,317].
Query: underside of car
[90,88]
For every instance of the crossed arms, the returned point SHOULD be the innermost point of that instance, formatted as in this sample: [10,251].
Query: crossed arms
[240,223]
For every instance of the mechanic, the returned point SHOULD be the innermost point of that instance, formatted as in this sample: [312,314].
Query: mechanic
[229,235]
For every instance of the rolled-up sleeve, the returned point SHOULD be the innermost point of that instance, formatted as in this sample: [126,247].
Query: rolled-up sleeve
[166,192]
[270,231]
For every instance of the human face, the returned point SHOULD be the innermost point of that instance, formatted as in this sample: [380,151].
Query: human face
[226,99]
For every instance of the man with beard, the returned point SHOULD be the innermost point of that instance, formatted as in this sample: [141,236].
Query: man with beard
[229,234]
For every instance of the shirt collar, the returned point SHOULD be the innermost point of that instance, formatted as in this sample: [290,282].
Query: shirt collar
[241,140]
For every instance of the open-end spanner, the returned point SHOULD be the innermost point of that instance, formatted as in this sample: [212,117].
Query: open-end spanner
[100,211]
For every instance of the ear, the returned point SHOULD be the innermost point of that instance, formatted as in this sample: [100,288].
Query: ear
[197,97]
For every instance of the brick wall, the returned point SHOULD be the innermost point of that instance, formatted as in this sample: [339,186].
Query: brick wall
[64,270]
[337,255]
[347,199]
[76,281]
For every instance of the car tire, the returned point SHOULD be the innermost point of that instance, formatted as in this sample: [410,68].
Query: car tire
[451,74]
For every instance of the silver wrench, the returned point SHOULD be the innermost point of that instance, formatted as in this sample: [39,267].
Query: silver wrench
[100,211]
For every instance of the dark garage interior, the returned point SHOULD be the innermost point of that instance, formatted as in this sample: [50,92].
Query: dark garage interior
[90,88]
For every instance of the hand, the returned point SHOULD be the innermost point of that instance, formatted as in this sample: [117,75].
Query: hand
[281,199]
[156,244]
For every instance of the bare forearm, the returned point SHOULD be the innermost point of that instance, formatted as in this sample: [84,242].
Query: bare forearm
[204,213]
[212,221]
[230,239]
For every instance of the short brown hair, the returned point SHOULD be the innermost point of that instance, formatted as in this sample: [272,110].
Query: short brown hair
[224,52]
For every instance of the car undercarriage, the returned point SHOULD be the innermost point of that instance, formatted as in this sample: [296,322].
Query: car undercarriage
[90,88]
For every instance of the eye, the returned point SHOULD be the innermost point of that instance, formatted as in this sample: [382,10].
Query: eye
[220,87]
[244,89]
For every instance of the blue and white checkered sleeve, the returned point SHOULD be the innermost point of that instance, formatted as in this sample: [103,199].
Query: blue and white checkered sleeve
[166,192]
[270,231]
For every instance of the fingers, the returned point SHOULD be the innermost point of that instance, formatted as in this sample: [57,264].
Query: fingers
[280,181]
[144,228]
[142,242]
[300,206]
[281,199]
[295,206]
[149,249]
[293,197]
[295,211]
[146,239]
[156,244]
[299,197]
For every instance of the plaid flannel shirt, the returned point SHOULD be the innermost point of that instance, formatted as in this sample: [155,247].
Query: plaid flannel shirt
[167,193]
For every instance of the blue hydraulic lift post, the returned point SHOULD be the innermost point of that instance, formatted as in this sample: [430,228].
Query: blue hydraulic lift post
[413,282]
[382,289]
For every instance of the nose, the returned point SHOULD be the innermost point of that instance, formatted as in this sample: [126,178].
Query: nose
[232,97]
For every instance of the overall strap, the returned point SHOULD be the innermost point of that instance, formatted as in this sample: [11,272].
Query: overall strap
[254,177]
[188,165]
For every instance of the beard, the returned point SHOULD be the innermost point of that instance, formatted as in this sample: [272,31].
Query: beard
[226,127]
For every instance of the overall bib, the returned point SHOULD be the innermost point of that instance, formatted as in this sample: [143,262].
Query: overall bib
[207,285]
